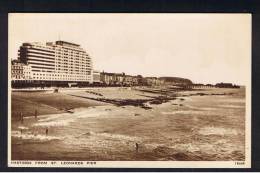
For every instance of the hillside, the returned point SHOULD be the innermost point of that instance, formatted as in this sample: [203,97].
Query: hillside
[176,80]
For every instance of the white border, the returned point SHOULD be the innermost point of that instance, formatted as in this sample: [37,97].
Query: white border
[139,164]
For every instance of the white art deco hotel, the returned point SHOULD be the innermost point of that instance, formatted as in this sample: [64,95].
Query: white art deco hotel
[59,61]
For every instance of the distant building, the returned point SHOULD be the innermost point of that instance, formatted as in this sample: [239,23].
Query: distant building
[106,78]
[17,71]
[134,80]
[151,81]
[20,71]
[141,80]
[96,76]
[121,79]
[112,78]
[226,85]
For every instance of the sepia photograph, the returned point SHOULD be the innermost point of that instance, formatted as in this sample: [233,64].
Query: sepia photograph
[130,90]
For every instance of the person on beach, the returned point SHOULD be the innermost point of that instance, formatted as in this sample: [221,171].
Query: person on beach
[46,131]
[21,117]
[35,114]
[136,147]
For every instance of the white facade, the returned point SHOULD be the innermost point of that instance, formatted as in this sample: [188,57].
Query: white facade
[96,76]
[59,61]
[27,72]
[17,71]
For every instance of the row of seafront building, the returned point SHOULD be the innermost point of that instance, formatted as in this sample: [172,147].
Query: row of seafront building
[23,75]
[64,64]
[122,79]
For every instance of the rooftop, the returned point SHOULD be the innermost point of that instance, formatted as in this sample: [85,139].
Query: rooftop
[60,42]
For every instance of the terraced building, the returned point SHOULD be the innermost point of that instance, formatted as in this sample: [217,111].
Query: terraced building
[59,62]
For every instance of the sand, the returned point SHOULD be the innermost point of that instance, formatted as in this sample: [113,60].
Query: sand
[190,127]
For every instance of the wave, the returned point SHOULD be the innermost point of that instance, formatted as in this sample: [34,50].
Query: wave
[186,112]
[65,119]
[33,137]
[22,128]
[233,106]
[218,131]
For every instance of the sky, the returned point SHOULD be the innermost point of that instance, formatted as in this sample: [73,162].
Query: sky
[205,48]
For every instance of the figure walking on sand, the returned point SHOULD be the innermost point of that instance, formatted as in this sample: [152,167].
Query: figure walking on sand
[46,131]
[21,117]
[136,147]
[36,114]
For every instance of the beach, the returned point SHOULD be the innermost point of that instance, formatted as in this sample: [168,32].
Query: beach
[127,123]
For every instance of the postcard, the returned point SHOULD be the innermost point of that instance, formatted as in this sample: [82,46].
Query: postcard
[129,90]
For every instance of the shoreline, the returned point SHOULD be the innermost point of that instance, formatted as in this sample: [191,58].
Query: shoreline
[66,100]
[64,89]
[194,126]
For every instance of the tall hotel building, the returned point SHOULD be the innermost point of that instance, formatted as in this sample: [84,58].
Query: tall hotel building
[59,61]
